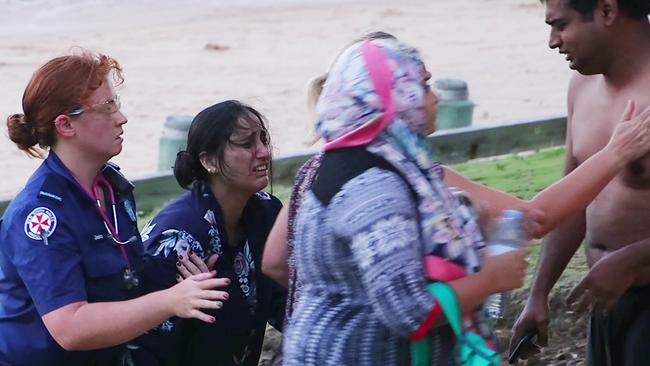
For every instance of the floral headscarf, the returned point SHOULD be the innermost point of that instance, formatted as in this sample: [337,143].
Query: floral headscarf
[349,99]
[350,103]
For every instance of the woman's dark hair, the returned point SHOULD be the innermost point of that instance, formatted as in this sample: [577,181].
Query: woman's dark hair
[210,133]
[60,86]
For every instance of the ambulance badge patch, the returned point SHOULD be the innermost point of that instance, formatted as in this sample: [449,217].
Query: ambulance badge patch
[40,222]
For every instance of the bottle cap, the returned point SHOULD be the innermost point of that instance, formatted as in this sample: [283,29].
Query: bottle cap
[513,214]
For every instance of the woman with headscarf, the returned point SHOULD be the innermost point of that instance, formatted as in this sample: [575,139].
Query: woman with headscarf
[377,207]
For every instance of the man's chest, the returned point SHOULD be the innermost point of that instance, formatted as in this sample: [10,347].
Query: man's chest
[592,126]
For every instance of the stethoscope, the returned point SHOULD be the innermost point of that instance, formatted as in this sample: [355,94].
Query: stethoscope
[112,229]
[101,184]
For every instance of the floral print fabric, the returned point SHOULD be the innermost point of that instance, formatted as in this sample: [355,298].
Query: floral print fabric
[194,222]
[349,100]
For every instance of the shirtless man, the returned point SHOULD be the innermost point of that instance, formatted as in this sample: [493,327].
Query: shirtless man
[608,43]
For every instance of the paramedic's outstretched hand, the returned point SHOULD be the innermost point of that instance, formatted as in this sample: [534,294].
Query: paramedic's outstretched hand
[191,296]
[534,221]
[631,137]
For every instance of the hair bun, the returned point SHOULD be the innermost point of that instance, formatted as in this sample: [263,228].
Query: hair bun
[183,153]
[184,169]
[183,157]
[21,132]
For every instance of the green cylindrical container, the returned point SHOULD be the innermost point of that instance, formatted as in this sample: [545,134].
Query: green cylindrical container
[172,140]
[454,107]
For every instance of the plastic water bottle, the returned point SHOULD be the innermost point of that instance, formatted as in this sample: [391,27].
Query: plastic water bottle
[507,234]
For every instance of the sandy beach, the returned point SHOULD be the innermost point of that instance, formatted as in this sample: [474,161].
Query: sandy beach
[269,51]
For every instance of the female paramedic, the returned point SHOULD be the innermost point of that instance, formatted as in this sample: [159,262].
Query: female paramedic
[70,251]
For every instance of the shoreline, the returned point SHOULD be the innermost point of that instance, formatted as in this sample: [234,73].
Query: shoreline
[271,53]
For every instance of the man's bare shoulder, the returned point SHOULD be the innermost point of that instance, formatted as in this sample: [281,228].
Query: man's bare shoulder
[579,83]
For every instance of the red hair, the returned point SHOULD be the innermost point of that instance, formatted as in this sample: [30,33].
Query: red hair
[60,86]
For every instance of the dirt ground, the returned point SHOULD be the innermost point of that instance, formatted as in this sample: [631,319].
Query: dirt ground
[567,343]
[567,339]
[567,331]
[523,176]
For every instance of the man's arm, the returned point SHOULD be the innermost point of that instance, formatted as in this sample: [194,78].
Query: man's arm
[559,246]
[558,249]
[642,277]
[611,276]
[639,260]
[562,243]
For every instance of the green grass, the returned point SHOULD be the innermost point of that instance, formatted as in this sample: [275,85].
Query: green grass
[521,175]
[524,176]
[280,190]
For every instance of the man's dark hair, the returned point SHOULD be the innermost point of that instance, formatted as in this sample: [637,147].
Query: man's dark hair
[636,9]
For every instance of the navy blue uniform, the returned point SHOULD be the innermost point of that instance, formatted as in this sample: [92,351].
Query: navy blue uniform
[194,222]
[55,251]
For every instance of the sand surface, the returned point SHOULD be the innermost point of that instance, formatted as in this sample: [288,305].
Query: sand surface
[271,49]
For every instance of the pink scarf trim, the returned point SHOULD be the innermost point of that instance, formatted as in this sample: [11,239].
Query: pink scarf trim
[381,77]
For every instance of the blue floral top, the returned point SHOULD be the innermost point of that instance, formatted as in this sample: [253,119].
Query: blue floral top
[194,222]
